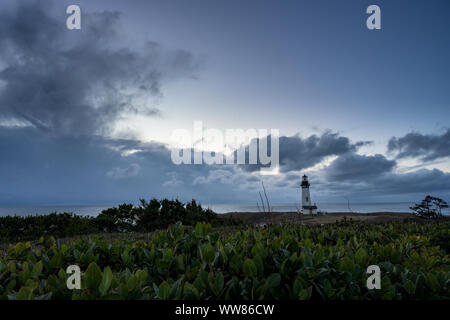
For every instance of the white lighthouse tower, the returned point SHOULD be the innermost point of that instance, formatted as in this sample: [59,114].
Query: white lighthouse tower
[307,208]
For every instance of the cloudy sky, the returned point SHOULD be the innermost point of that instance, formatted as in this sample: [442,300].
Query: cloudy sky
[86,115]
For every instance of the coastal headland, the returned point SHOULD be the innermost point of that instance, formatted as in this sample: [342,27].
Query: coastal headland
[261,218]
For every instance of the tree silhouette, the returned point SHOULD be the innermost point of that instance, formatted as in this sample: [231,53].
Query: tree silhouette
[430,208]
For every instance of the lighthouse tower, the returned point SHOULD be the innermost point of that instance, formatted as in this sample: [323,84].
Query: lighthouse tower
[307,208]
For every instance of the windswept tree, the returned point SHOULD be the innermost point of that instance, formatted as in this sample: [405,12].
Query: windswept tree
[430,208]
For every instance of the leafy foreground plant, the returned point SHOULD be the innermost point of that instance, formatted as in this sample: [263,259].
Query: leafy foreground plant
[288,262]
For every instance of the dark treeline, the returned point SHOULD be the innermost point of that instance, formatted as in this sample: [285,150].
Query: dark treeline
[148,216]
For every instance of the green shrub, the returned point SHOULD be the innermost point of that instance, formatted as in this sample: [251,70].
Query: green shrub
[148,216]
[286,262]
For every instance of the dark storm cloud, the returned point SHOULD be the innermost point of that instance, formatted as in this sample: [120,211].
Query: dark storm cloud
[391,184]
[37,167]
[355,167]
[416,145]
[293,177]
[421,181]
[71,86]
[297,153]
[369,178]
[41,168]
[78,82]
[364,177]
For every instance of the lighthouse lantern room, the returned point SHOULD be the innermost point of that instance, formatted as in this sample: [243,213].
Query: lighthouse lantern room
[307,208]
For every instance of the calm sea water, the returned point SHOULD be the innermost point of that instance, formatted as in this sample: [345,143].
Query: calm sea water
[328,207]
[42,210]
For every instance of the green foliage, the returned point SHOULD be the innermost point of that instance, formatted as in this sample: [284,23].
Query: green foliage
[148,216]
[291,262]
[441,239]
[249,268]
[34,227]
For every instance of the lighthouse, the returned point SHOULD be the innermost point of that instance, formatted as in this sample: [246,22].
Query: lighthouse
[307,208]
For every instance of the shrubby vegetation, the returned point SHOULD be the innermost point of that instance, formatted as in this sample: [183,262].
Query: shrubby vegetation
[148,216]
[33,227]
[282,262]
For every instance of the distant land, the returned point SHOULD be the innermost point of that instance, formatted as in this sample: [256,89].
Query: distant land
[218,208]
[257,218]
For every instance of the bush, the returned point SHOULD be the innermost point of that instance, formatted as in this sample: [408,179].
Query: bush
[148,216]
[158,214]
[33,227]
[283,263]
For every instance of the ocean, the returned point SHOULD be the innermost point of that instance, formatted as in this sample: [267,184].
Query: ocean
[219,208]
